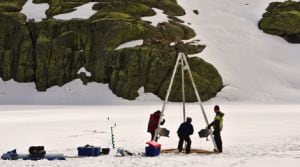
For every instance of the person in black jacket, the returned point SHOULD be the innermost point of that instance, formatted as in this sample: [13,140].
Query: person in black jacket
[217,124]
[184,131]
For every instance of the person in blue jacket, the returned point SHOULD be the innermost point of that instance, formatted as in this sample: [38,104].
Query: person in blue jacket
[184,131]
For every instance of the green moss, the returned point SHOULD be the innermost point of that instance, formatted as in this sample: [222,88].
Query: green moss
[11,5]
[52,51]
[132,8]
[175,32]
[6,61]
[171,7]
[151,67]
[111,16]
[282,19]
[61,6]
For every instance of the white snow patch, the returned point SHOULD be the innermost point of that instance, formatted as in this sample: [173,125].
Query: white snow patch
[72,93]
[130,44]
[82,12]
[158,18]
[83,69]
[147,97]
[35,11]
[172,43]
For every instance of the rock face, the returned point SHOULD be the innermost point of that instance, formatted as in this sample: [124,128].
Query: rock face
[52,51]
[282,19]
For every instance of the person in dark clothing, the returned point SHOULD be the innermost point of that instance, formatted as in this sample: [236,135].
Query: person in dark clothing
[217,124]
[153,123]
[184,131]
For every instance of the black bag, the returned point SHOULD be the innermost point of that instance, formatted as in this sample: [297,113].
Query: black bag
[203,133]
[38,151]
[105,151]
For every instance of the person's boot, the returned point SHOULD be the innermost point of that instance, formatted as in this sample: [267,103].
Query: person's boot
[188,150]
[216,151]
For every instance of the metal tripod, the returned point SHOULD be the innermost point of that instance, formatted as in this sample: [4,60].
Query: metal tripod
[182,60]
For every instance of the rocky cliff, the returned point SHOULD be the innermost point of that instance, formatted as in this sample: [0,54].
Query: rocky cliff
[52,51]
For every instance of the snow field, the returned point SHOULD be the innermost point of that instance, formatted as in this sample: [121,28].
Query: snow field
[252,135]
[255,67]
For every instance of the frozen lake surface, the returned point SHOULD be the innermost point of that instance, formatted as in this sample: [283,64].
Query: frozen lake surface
[262,135]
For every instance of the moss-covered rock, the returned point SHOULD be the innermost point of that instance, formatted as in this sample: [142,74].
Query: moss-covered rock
[131,8]
[51,52]
[15,48]
[151,68]
[11,5]
[282,19]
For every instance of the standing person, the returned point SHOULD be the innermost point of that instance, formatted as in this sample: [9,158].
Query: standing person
[153,123]
[217,125]
[184,131]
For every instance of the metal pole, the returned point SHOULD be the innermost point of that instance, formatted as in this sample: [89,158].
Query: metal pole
[112,137]
[183,87]
[112,132]
[167,96]
[198,98]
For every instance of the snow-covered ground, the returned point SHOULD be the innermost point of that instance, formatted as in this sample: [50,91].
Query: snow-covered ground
[256,67]
[252,136]
[73,93]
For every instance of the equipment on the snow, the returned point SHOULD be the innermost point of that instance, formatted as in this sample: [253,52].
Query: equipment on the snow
[112,132]
[122,152]
[153,144]
[89,150]
[38,151]
[105,151]
[13,155]
[182,61]
[204,133]
[162,132]
[153,149]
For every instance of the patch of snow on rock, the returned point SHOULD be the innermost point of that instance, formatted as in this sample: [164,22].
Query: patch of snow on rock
[158,18]
[35,11]
[130,44]
[82,12]
[83,69]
